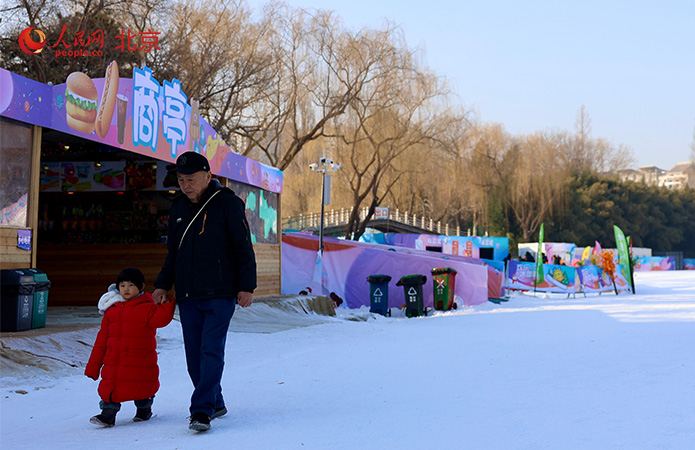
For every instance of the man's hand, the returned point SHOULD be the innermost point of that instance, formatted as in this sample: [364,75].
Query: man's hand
[244,299]
[159,296]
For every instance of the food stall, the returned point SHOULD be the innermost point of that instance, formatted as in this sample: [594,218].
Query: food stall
[84,190]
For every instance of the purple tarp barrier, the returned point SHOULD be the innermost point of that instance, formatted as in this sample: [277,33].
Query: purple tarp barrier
[347,264]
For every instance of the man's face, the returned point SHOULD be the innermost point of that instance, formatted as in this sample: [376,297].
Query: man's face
[194,185]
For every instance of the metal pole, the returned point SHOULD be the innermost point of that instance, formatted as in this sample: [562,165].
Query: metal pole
[323,198]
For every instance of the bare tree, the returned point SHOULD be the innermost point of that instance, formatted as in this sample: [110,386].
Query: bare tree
[320,69]
[538,185]
[396,112]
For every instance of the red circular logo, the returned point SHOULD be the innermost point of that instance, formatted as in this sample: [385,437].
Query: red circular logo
[30,46]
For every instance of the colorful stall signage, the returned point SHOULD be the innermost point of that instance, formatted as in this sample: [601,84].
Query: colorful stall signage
[140,115]
[469,246]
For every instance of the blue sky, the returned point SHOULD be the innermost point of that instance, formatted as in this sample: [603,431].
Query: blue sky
[530,65]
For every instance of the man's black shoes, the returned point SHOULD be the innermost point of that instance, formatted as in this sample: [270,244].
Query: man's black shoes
[219,412]
[199,422]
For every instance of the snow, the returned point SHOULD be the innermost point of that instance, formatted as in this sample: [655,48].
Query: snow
[603,371]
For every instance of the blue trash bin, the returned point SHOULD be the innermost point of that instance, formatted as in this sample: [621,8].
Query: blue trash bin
[379,294]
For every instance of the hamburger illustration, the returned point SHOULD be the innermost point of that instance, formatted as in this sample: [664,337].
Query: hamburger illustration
[81,102]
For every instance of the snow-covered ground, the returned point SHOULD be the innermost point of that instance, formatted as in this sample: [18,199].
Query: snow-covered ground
[603,372]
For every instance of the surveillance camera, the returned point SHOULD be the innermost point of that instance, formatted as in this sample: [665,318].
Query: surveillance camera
[313,166]
[322,160]
[336,166]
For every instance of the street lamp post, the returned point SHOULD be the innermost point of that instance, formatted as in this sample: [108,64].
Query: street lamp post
[324,166]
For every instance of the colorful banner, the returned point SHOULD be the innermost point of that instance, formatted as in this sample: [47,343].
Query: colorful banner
[621,283]
[556,278]
[593,279]
[564,279]
[688,264]
[646,264]
[140,115]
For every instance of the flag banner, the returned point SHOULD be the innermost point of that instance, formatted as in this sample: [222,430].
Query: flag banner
[539,258]
[623,254]
[586,253]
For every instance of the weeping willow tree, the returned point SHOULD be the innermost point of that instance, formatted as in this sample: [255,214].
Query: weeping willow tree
[537,187]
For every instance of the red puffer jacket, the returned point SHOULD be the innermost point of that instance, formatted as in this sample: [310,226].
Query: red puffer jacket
[126,347]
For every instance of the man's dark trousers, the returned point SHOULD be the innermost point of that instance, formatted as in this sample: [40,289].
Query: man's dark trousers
[205,324]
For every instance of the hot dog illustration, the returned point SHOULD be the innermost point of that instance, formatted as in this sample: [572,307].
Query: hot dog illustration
[108,100]
[80,102]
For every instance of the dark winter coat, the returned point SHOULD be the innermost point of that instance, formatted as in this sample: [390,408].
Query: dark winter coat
[215,258]
[125,350]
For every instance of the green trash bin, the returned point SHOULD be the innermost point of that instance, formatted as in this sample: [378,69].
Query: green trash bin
[42,285]
[443,279]
[412,288]
[379,294]
[16,300]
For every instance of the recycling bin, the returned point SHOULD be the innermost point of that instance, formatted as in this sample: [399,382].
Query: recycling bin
[443,280]
[412,287]
[16,299]
[379,294]
[42,285]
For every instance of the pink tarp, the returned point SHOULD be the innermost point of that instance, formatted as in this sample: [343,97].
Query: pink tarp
[347,264]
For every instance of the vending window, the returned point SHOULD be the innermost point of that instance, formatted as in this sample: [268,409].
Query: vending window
[15,172]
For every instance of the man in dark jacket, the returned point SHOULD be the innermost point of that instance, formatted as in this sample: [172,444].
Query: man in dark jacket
[211,260]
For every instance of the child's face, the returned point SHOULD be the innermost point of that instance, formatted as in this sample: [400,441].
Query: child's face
[128,290]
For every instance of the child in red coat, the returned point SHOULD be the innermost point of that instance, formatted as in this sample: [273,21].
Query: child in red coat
[125,350]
